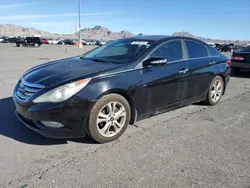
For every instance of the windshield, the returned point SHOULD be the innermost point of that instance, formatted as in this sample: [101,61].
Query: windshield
[120,51]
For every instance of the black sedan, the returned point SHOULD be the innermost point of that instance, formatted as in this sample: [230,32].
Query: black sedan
[104,90]
[241,59]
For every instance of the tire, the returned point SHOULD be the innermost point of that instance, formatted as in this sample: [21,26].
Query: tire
[97,130]
[36,45]
[17,45]
[210,100]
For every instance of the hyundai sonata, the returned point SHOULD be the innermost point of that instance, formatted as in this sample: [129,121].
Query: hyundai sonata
[102,91]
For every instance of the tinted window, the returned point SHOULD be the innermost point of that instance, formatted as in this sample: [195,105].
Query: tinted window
[247,49]
[120,51]
[213,51]
[172,51]
[196,49]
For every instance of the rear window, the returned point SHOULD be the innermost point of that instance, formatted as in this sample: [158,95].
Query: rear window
[247,49]
[196,50]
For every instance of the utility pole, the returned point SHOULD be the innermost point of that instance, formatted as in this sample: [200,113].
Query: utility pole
[80,34]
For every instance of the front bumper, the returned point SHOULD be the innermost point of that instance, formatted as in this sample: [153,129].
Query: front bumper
[73,114]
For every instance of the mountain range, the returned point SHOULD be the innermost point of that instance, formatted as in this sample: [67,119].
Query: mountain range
[97,32]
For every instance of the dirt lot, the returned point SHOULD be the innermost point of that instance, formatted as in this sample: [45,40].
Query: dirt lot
[195,146]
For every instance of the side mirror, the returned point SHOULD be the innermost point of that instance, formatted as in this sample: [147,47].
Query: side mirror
[154,61]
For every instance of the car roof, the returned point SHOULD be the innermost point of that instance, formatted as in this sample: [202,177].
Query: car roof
[157,38]
[151,37]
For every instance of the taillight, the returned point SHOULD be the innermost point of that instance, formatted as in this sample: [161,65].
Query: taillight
[228,62]
[237,58]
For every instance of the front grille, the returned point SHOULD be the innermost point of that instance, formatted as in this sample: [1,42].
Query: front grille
[26,90]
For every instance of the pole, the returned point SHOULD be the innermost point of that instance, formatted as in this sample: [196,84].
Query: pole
[80,37]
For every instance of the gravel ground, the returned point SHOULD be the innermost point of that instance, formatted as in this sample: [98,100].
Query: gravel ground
[195,146]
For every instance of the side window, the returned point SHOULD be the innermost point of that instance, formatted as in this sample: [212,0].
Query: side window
[213,51]
[172,51]
[196,50]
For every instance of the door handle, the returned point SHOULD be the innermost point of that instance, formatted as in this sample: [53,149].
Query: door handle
[212,62]
[183,71]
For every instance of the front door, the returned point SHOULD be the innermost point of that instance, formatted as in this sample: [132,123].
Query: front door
[162,84]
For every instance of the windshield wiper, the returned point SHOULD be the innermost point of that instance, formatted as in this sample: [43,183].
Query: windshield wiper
[97,60]
[93,59]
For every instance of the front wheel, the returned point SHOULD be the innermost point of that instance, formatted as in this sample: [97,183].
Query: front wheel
[109,118]
[36,44]
[215,91]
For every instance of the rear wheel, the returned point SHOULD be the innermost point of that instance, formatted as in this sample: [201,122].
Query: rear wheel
[109,118]
[215,91]
[36,44]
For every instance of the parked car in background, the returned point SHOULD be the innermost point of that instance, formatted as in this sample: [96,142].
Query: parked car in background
[84,42]
[65,41]
[74,42]
[238,48]
[218,46]
[44,41]
[104,90]
[10,39]
[53,41]
[227,48]
[241,59]
[212,44]
[61,42]
[29,41]
[90,42]
[101,42]
[1,39]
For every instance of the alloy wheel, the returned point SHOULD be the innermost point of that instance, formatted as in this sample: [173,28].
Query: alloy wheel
[111,119]
[216,91]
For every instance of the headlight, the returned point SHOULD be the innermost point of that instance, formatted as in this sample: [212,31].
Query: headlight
[62,93]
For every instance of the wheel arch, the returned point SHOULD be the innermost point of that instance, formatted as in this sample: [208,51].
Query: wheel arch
[125,94]
[224,81]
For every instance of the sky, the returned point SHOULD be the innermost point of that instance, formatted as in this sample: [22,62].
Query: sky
[217,19]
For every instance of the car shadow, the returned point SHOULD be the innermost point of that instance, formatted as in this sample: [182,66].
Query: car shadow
[12,128]
[241,74]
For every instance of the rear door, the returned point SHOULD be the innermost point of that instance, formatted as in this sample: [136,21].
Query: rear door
[199,71]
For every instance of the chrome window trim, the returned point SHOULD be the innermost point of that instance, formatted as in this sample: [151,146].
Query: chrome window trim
[138,68]
[183,60]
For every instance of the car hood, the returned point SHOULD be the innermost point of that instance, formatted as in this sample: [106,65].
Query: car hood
[63,71]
